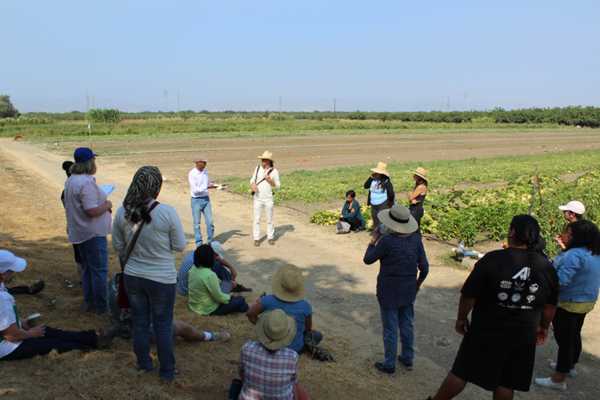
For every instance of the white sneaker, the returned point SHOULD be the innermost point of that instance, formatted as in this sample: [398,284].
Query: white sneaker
[572,373]
[220,336]
[547,382]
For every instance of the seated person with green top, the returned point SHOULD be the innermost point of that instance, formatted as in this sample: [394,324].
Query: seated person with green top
[206,297]
[351,213]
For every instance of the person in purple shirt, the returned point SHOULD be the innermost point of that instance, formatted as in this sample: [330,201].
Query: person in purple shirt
[401,254]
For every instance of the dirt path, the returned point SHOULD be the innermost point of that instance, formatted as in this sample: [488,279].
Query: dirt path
[340,287]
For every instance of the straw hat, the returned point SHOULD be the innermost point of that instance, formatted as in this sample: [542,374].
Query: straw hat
[200,159]
[381,169]
[267,155]
[288,284]
[398,219]
[420,172]
[276,329]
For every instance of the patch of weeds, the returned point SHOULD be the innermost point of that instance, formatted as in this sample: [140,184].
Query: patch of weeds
[452,261]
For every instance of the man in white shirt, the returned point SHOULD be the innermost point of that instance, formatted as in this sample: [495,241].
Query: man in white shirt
[199,185]
[264,180]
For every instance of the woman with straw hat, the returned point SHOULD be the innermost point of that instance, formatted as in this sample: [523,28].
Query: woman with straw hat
[401,255]
[381,191]
[288,295]
[268,367]
[417,196]
[264,179]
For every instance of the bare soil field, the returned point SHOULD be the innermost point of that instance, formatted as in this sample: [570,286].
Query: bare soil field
[340,287]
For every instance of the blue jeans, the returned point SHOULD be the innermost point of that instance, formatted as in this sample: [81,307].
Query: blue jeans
[222,273]
[94,262]
[235,304]
[62,341]
[201,206]
[394,319]
[150,297]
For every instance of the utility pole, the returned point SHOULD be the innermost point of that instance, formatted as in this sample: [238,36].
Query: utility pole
[166,100]
[178,104]
[93,102]
[280,104]
[448,105]
[333,108]
[465,100]
[88,100]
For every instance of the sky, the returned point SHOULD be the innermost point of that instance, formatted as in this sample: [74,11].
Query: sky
[243,55]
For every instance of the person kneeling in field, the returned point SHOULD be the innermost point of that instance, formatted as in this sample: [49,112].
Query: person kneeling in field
[513,294]
[269,368]
[288,295]
[19,340]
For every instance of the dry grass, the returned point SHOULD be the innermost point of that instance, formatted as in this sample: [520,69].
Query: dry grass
[32,226]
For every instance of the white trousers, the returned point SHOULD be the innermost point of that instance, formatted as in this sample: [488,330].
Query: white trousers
[258,207]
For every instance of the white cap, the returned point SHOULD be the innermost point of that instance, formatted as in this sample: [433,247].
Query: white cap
[574,206]
[8,262]
[217,248]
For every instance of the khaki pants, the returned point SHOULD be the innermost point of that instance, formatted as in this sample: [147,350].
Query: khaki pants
[258,207]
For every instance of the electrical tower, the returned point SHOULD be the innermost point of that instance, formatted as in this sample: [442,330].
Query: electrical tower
[465,100]
[93,102]
[166,101]
[448,104]
[88,100]
[443,104]
[279,103]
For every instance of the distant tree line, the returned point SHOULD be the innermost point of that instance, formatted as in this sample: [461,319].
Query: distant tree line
[573,116]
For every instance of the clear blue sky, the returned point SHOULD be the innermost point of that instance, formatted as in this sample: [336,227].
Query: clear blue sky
[241,55]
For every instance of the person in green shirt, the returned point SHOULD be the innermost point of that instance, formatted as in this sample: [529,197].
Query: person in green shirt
[205,295]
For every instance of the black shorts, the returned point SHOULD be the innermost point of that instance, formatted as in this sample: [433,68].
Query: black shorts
[490,366]
[77,253]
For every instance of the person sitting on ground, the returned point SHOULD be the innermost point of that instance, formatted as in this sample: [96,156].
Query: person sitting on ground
[269,368]
[219,268]
[351,213]
[205,295]
[19,340]
[288,295]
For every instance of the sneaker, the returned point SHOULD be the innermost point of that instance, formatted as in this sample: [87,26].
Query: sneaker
[220,336]
[37,287]
[241,288]
[256,243]
[547,382]
[105,336]
[407,367]
[389,371]
[271,242]
[572,373]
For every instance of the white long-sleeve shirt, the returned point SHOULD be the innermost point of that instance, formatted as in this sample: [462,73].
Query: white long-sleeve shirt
[152,257]
[198,182]
[265,190]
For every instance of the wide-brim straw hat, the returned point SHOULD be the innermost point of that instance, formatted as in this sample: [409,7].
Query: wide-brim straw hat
[288,284]
[276,329]
[381,169]
[420,172]
[267,155]
[398,219]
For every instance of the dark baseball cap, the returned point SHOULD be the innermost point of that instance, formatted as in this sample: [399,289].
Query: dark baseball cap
[83,154]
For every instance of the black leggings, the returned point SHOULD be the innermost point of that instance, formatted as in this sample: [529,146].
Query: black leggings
[355,223]
[375,209]
[567,332]
[417,214]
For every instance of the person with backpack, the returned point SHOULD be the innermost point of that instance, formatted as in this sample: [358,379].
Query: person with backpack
[264,180]
[381,191]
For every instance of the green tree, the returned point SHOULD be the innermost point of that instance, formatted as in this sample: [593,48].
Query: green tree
[7,110]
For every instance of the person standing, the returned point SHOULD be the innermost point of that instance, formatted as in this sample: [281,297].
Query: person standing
[401,255]
[88,225]
[199,186]
[417,196]
[381,191]
[513,294]
[150,273]
[264,180]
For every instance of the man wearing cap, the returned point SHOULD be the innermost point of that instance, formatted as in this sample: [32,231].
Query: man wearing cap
[264,180]
[88,224]
[199,186]
[19,339]
[268,368]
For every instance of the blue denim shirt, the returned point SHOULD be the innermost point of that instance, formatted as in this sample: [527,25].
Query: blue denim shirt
[579,275]
[400,257]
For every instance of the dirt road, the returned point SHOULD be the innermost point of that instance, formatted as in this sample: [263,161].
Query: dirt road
[340,287]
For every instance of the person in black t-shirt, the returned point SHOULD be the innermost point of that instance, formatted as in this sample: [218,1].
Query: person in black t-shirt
[513,295]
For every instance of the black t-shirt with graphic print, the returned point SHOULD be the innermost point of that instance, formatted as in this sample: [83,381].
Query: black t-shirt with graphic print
[509,296]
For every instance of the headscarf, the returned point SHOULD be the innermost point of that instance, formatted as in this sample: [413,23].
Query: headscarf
[144,187]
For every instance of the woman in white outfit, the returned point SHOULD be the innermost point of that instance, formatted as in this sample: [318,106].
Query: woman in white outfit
[264,179]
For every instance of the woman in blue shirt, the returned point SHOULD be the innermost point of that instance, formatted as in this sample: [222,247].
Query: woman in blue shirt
[351,212]
[579,278]
[381,191]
